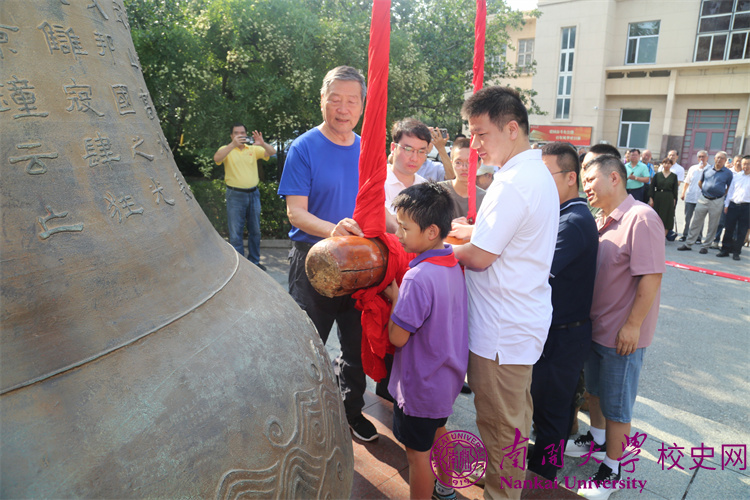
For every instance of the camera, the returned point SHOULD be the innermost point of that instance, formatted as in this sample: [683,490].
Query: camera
[444,131]
[249,140]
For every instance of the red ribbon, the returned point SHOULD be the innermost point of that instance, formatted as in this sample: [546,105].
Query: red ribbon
[480,26]
[369,211]
[720,274]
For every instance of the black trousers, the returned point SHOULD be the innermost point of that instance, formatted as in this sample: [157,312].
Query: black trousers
[323,311]
[639,193]
[737,222]
[553,389]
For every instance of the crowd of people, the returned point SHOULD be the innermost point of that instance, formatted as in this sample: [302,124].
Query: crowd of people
[717,191]
[549,295]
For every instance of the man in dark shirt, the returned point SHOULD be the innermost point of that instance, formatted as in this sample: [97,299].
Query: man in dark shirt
[714,184]
[555,375]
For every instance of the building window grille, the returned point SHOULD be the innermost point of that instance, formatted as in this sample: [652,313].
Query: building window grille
[643,38]
[565,75]
[525,54]
[497,61]
[634,125]
[723,31]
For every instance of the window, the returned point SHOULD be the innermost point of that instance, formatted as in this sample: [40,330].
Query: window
[565,76]
[642,40]
[634,128]
[497,60]
[525,54]
[723,30]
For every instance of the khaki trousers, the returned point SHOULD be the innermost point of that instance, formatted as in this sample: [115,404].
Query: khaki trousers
[502,397]
[705,207]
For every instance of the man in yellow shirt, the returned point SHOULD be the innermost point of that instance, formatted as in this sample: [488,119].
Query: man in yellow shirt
[240,159]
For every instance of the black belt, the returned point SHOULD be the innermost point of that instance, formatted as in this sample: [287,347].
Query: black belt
[712,198]
[302,246]
[251,190]
[569,325]
[740,204]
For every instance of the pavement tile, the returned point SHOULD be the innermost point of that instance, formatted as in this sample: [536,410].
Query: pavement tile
[646,495]
[463,420]
[672,425]
[395,487]
[724,484]
[667,483]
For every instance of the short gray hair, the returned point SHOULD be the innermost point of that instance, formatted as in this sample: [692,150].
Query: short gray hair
[343,73]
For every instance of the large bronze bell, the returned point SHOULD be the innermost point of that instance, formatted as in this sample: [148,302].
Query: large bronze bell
[141,355]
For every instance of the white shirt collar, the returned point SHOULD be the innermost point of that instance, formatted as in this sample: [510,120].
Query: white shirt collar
[529,154]
[391,178]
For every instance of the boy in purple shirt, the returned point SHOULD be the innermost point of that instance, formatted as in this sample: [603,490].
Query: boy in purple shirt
[429,328]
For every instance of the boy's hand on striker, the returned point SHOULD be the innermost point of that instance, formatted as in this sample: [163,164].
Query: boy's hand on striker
[391,292]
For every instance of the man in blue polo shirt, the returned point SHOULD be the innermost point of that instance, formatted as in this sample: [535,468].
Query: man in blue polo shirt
[714,184]
[555,375]
[320,182]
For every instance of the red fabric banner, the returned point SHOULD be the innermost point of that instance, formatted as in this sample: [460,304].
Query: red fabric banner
[369,211]
[480,26]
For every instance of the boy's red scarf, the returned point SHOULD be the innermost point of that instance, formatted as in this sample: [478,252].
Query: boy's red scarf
[442,260]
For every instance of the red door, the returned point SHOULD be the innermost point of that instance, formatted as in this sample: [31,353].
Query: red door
[712,141]
[709,129]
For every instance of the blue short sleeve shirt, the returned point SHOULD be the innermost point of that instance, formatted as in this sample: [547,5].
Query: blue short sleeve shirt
[327,173]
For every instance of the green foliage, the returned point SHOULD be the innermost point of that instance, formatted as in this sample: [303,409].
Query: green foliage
[273,220]
[210,195]
[208,63]
[432,50]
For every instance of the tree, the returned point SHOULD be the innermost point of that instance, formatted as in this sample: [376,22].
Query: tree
[209,63]
[432,53]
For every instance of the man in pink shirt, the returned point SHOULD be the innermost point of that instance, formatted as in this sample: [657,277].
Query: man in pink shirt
[630,264]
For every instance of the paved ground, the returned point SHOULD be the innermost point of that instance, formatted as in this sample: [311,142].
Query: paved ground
[694,388]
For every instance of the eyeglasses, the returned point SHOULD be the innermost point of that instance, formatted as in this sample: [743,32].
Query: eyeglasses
[460,164]
[561,172]
[409,150]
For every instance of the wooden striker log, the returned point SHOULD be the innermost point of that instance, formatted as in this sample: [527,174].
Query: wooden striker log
[342,265]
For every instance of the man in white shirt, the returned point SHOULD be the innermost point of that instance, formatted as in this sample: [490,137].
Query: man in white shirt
[737,210]
[409,147]
[691,192]
[507,265]
[678,169]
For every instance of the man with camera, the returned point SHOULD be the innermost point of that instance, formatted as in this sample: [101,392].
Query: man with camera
[240,159]
[442,170]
